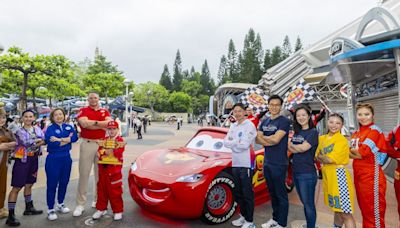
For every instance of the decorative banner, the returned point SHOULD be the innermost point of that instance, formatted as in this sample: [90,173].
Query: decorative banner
[256,99]
[298,94]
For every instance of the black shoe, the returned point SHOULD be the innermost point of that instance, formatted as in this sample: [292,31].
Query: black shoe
[30,209]
[11,220]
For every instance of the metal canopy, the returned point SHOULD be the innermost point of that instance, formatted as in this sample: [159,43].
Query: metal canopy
[359,71]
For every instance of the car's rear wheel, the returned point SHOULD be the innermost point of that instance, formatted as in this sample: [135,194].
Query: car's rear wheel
[220,204]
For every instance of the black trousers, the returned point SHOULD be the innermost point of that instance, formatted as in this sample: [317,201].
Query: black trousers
[139,131]
[243,191]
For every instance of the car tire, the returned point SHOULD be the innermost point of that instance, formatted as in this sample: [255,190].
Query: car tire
[219,205]
[289,182]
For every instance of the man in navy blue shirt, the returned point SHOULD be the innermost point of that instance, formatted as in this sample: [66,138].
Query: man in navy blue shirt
[273,135]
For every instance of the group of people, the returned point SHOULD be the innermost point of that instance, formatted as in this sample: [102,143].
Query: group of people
[138,123]
[368,148]
[25,146]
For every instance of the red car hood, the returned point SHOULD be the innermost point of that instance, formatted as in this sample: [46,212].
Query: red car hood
[173,163]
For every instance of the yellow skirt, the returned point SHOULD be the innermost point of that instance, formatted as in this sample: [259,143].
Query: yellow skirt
[338,188]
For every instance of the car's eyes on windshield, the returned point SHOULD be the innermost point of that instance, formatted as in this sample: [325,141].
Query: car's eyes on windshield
[218,145]
[200,143]
[206,142]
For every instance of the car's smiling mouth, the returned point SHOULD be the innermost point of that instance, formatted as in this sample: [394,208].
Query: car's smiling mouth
[155,195]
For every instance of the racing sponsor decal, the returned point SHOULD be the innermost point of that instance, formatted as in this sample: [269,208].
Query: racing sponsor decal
[176,156]
[258,177]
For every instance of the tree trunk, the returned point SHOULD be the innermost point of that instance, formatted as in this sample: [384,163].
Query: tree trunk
[50,104]
[22,99]
[34,99]
[152,110]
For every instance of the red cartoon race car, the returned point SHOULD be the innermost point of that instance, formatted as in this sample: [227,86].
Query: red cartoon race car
[194,181]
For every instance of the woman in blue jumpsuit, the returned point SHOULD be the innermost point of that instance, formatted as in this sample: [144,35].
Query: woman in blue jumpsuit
[59,136]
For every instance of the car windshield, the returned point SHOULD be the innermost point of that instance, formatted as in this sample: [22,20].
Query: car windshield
[212,141]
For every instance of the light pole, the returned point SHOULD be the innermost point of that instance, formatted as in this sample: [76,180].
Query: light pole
[126,82]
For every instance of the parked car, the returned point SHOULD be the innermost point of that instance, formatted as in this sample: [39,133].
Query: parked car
[194,181]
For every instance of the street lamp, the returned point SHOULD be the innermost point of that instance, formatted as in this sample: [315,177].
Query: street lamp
[126,82]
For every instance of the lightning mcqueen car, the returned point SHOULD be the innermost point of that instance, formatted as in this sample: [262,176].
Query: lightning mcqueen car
[194,181]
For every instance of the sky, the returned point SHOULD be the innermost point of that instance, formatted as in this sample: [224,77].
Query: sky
[141,36]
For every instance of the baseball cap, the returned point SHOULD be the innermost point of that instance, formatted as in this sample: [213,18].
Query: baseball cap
[112,124]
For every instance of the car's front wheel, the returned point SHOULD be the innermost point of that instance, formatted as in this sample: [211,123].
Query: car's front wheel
[220,205]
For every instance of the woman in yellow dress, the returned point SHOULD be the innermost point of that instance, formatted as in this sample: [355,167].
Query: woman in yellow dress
[333,152]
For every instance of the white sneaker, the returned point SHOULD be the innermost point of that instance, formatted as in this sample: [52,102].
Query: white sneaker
[239,222]
[94,204]
[117,216]
[247,224]
[78,211]
[62,208]
[51,215]
[279,226]
[271,223]
[98,214]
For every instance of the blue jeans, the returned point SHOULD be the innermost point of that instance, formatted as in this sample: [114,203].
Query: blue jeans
[275,176]
[305,185]
[243,191]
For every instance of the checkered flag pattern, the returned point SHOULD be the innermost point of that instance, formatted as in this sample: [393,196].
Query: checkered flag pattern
[344,195]
[299,93]
[255,98]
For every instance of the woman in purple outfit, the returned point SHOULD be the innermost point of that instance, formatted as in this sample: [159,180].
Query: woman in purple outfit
[26,157]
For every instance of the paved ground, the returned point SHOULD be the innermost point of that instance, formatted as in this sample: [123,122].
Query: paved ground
[161,136]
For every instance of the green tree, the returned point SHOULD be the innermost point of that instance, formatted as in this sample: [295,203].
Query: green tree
[102,65]
[200,104]
[152,95]
[298,45]
[11,82]
[165,79]
[276,56]
[18,61]
[185,74]
[205,79]
[267,60]
[222,71]
[251,70]
[286,48]
[193,88]
[232,62]
[177,75]
[106,84]
[180,101]
[191,73]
